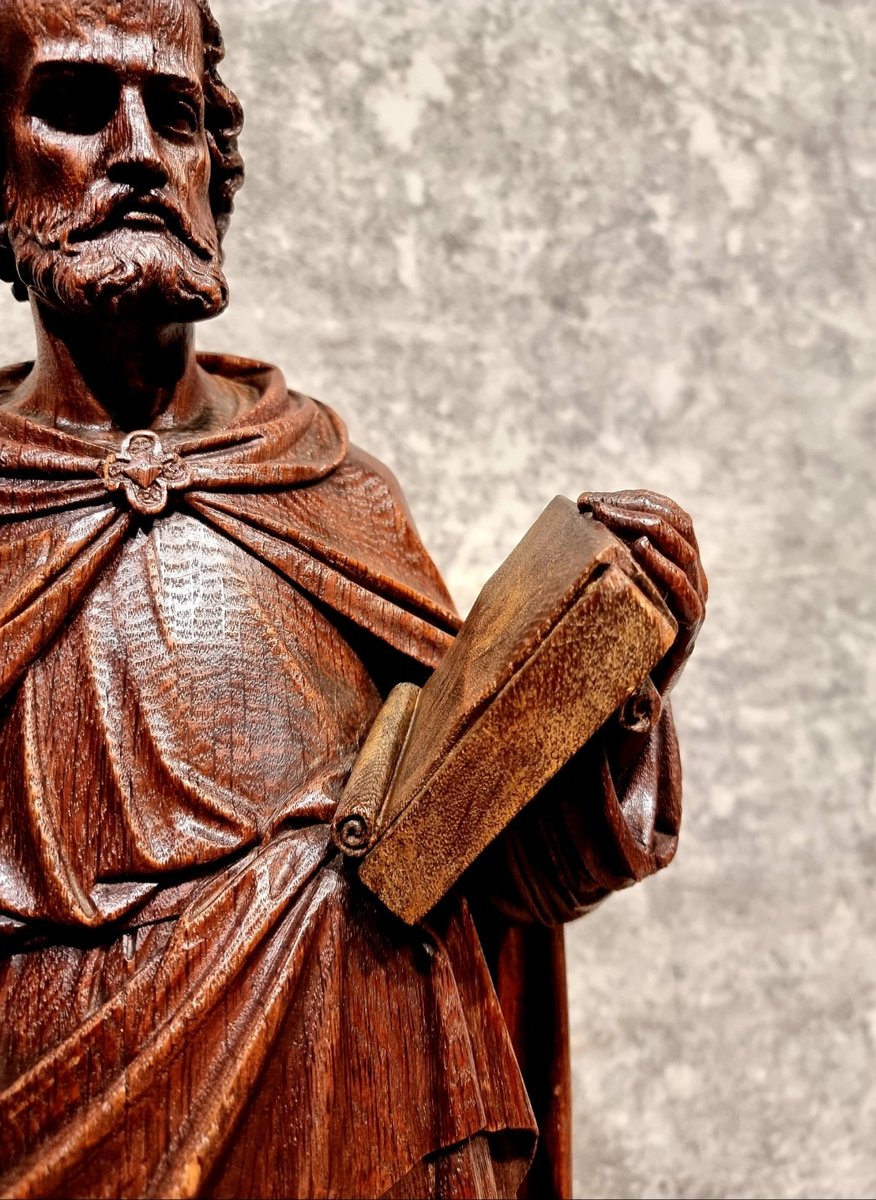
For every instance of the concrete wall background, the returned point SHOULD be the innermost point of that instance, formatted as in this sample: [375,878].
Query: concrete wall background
[533,246]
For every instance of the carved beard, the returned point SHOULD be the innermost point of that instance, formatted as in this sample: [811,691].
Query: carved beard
[167,274]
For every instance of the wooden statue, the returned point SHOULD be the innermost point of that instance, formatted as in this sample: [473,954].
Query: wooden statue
[206,596]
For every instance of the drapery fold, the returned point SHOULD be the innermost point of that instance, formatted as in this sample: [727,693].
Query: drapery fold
[60,524]
[189,974]
[189,633]
[161,1090]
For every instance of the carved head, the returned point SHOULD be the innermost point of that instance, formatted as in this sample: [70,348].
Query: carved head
[118,156]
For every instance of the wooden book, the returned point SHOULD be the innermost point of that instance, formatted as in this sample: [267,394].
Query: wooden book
[565,632]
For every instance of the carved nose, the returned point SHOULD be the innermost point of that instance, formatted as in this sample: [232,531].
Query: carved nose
[135,158]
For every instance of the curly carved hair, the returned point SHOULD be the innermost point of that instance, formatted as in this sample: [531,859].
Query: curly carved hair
[223,121]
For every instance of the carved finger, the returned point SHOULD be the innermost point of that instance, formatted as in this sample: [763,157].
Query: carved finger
[682,597]
[640,500]
[636,522]
[702,580]
[653,504]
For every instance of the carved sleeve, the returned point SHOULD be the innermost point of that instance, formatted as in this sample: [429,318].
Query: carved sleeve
[595,829]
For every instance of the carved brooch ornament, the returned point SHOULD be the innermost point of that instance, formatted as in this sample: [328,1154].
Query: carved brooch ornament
[145,472]
[190,708]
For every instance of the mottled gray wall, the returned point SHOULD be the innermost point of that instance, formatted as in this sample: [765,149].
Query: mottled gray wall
[533,246]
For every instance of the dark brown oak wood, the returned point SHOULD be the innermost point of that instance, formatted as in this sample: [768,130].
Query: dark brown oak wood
[206,597]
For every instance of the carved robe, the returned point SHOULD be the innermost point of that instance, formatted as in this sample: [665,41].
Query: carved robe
[196,997]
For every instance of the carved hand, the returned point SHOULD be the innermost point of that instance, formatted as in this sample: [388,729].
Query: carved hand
[661,538]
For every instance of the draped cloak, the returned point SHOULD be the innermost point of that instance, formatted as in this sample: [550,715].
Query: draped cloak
[196,997]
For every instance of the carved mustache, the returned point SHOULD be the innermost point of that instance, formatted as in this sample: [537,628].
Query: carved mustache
[111,215]
[106,214]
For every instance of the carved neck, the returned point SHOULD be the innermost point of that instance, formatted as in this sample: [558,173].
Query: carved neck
[119,377]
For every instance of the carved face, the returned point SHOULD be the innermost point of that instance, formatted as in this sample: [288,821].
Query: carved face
[106,191]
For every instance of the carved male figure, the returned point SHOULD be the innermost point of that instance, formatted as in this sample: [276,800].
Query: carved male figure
[205,595]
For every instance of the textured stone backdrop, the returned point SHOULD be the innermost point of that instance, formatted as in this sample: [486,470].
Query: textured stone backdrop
[533,246]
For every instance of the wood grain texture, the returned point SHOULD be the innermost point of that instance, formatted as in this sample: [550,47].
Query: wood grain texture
[206,595]
[562,635]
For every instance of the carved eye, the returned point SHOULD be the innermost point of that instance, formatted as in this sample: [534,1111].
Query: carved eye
[74,99]
[172,112]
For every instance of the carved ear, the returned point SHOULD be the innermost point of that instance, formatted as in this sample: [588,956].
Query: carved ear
[8,269]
